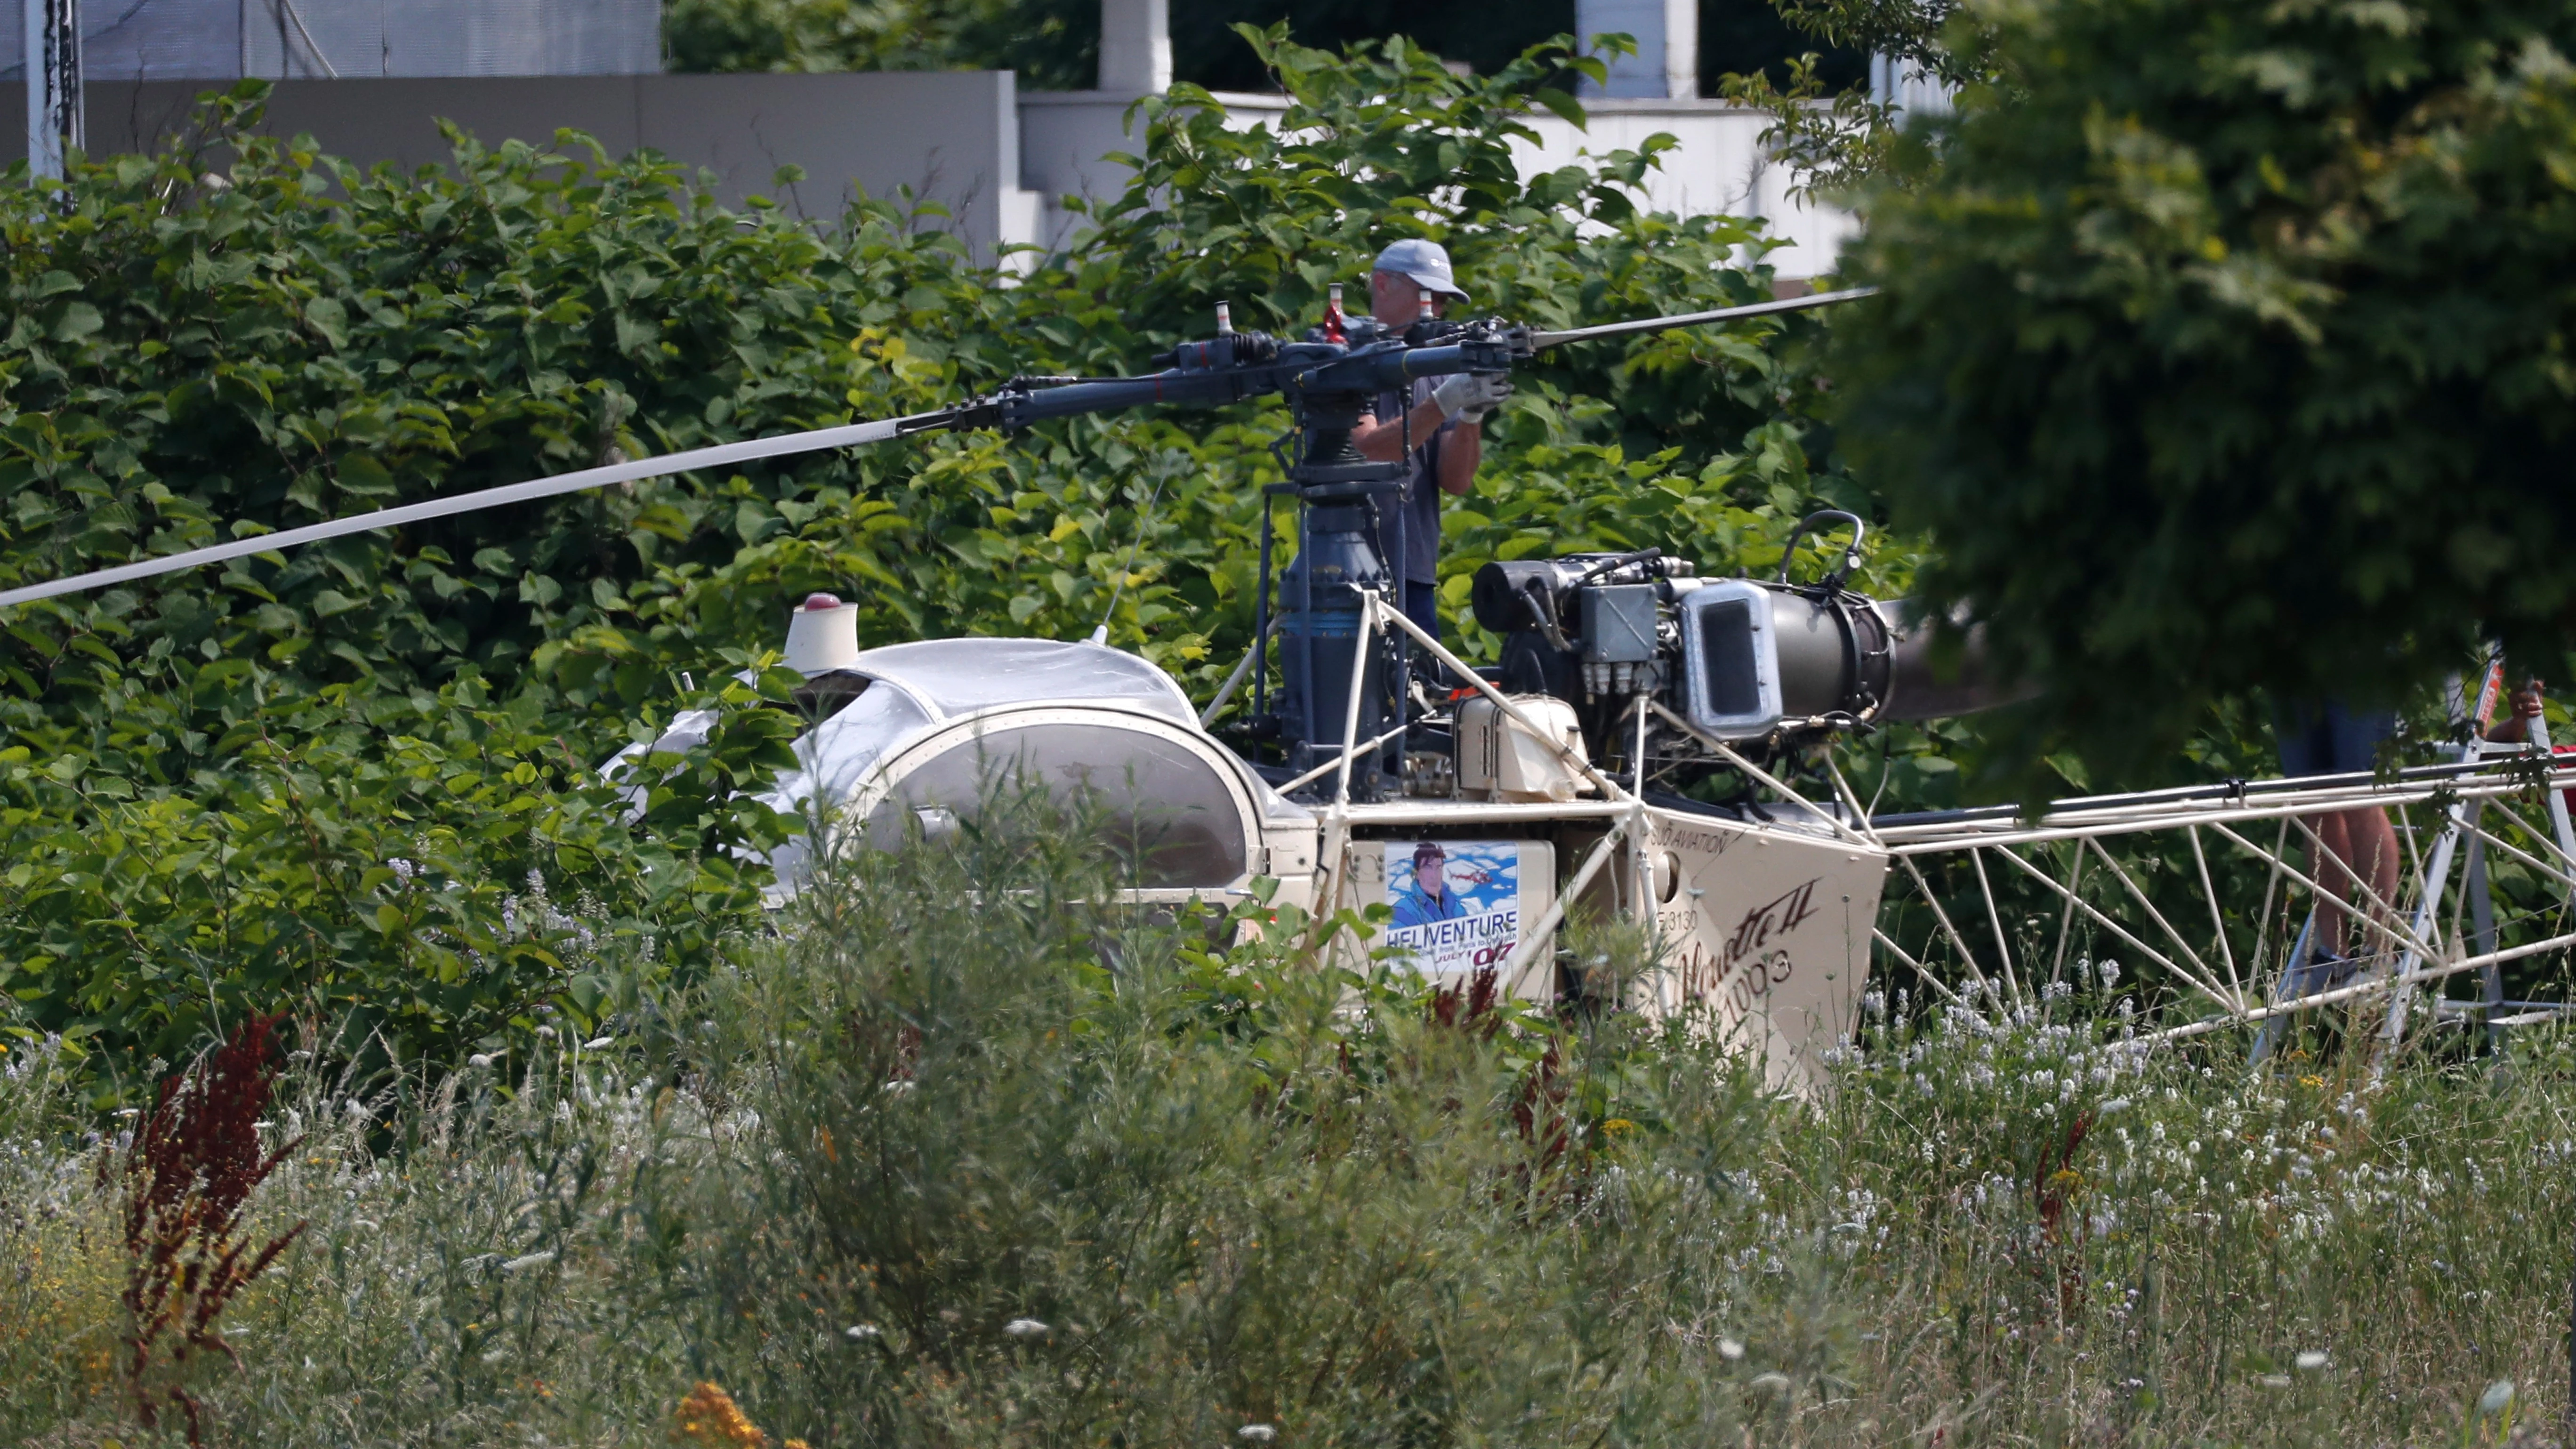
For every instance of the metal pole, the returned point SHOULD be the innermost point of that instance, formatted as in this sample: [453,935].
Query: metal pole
[2482,928]
[1261,620]
[2536,738]
[53,58]
[2290,983]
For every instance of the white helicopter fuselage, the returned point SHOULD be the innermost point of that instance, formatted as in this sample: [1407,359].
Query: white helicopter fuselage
[1760,927]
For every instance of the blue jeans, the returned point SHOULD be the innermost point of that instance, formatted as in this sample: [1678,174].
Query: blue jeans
[2329,738]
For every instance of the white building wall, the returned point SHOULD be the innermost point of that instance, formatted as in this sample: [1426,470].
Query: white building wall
[1719,165]
[150,40]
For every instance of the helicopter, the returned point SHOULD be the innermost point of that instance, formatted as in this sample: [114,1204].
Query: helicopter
[1485,807]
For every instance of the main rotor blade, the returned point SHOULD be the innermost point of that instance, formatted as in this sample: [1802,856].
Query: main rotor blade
[1696,319]
[782,445]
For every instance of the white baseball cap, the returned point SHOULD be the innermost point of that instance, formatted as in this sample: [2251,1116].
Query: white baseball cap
[1426,262]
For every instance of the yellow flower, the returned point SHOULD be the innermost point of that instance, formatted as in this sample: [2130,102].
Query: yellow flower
[1616,1126]
[709,1419]
[2312,1081]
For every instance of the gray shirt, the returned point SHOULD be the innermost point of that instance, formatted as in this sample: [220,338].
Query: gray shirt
[1420,505]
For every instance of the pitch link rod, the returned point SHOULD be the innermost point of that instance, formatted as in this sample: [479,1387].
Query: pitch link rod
[1701,319]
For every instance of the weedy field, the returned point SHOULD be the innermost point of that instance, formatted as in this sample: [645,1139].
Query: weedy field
[953,1159]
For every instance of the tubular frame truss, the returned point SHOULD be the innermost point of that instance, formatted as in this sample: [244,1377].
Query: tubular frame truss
[2119,873]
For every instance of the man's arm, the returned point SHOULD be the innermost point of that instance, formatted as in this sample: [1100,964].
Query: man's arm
[1383,442]
[2516,727]
[1460,451]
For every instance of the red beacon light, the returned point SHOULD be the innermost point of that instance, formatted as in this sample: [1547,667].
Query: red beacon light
[822,635]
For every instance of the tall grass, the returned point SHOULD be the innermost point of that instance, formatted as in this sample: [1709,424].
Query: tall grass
[956,1159]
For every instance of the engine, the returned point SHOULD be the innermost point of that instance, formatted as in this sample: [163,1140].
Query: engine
[1760,664]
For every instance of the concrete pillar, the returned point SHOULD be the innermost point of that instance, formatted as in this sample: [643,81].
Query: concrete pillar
[1907,87]
[53,62]
[1135,46]
[1667,36]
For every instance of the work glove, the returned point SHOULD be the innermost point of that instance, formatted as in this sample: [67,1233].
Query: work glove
[1471,395]
[1475,413]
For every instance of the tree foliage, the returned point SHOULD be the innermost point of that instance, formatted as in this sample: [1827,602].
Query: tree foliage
[1829,122]
[215,779]
[1053,44]
[2230,353]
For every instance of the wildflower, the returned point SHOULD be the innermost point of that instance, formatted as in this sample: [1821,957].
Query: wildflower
[1024,1328]
[1257,1433]
[1729,1349]
[709,1417]
[529,1260]
[1771,1383]
[2276,1381]
[480,1059]
[2311,1360]
[862,1332]
[595,1043]
[2498,1395]
[2116,1104]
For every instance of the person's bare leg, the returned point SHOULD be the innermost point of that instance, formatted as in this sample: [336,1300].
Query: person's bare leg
[2370,841]
[2333,871]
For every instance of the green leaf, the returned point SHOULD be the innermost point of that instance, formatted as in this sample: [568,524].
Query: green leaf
[329,320]
[75,321]
[1566,107]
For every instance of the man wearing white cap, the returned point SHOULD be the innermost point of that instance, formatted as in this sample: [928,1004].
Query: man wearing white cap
[1444,415]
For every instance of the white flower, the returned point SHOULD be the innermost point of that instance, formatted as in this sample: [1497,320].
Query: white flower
[528,1260]
[2498,1395]
[1774,1383]
[1257,1433]
[1729,1349]
[595,1043]
[2311,1360]
[1024,1328]
[862,1332]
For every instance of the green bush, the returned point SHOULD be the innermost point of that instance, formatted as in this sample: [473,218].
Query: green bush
[410,873]
[2222,348]
[1026,1166]
[1237,1190]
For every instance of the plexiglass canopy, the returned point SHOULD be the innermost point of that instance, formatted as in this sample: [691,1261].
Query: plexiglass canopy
[950,677]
